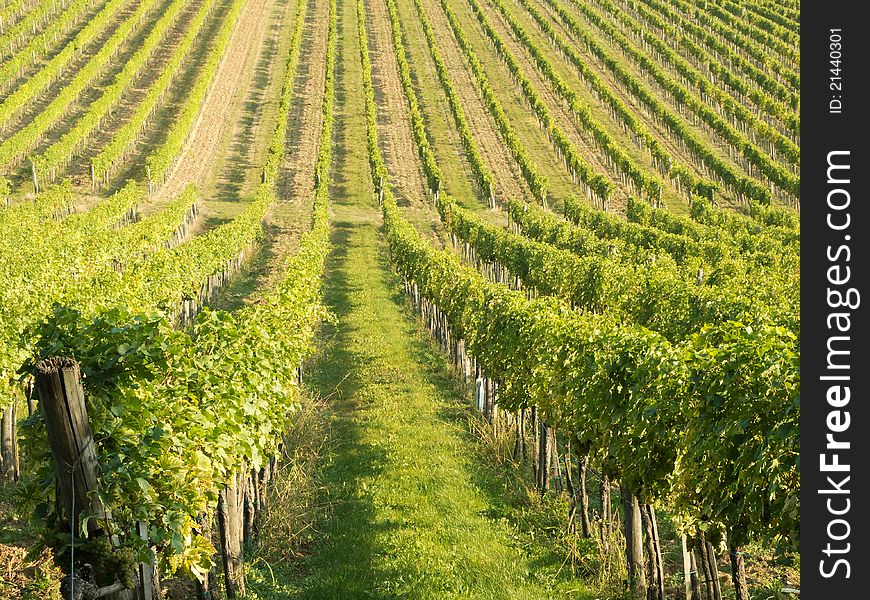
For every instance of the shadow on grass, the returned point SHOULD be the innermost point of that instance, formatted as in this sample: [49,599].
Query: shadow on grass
[336,377]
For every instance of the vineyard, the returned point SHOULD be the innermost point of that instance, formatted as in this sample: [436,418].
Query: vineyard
[491,299]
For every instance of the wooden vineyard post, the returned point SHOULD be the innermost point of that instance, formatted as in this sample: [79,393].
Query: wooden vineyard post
[8,443]
[705,566]
[711,568]
[634,544]
[249,510]
[204,588]
[694,579]
[687,570]
[582,497]
[606,516]
[231,525]
[714,570]
[62,398]
[534,442]
[545,454]
[655,572]
[149,583]
[738,574]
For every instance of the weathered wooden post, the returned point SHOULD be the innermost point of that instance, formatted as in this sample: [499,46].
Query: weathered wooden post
[149,584]
[738,573]
[687,570]
[231,525]
[654,567]
[204,588]
[62,399]
[634,544]
[8,443]
[35,178]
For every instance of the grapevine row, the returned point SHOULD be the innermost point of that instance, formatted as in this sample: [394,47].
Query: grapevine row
[757,44]
[485,180]
[275,152]
[764,246]
[597,185]
[27,56]
[682,175]
[537,182]
[14,148]
[704,212]
[543,226]
[418,124]
[160,161]
[55,203]
[30,25]
[783,115]
[774,172]
[776,142]
[745,187]
[223,396]
[747,232]
[114,152]
[509,335]
[650,187]
[58,155]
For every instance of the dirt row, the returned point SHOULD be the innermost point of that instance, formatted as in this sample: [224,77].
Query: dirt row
[290,217]
[223,103]
[296,179]
[394,118]
[238,170]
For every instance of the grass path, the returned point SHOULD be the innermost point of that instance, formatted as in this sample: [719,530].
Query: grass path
[408,519]
[412,512]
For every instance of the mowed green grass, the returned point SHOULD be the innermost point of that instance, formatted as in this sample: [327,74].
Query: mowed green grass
[410,509]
